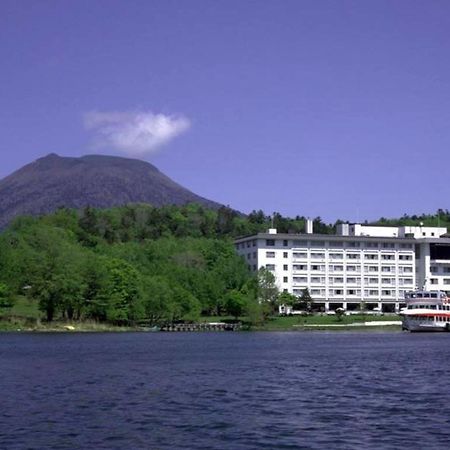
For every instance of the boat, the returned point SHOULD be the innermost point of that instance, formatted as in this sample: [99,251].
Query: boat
[426,311]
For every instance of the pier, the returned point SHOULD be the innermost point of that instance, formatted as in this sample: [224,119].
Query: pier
[213,326]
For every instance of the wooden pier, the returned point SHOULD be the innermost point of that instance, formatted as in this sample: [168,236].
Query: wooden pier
[215,326]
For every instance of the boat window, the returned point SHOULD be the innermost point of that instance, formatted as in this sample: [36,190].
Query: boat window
[419,295]
[433,295]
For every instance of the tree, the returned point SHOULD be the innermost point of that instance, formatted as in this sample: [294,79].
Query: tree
[285,298]
[267,290]
[124,291]
[340,313]
[235,303]
[5,296]
[305,301]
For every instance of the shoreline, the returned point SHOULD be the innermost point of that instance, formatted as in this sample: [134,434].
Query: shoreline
[89,328]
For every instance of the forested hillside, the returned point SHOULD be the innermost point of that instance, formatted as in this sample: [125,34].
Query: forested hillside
[123,265]
[140,263]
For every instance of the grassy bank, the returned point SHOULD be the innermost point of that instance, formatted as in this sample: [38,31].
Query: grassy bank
[298,323]
[314,322]
[25,316]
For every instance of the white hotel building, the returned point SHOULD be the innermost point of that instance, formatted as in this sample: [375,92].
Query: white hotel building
[370,264]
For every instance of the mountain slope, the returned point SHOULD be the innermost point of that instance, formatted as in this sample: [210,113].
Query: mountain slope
[93,180]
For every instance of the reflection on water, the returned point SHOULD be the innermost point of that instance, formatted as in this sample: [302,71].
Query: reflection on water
[224,391]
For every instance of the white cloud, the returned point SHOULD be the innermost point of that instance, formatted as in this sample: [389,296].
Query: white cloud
[134,133]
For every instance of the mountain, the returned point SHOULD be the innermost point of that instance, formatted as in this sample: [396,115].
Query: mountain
[94,180]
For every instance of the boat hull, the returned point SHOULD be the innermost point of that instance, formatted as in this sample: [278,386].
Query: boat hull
[424,325]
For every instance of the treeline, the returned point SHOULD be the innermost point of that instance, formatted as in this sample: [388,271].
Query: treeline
[440,218]
[129,264]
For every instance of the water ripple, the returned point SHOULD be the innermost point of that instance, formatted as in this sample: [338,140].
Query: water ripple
[215,391]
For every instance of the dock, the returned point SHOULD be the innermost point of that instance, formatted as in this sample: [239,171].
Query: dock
[206,326]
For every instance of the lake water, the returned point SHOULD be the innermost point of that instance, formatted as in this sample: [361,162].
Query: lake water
[225,391]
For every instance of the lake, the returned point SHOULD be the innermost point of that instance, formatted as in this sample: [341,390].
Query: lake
[313,390]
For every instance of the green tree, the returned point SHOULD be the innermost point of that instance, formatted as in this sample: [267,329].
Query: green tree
[124,292]
[305,301]
[5,296]
[285,298]
[267,290]
[236,303]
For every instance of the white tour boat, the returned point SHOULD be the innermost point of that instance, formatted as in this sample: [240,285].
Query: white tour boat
[426,311]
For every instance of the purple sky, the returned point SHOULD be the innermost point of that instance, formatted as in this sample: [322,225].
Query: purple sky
[338,109]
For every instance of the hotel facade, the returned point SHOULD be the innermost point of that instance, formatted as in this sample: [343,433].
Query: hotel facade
[373,265]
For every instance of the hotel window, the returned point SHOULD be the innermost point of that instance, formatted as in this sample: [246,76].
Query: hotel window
[336,256]
[352,269]
[372,244]
[285,254]
[351,280]
[317,255]
[300,279]
[300,243]
[352,244]
[270,266]
[285,267]
[318,292]
[353,292]
[317,280]
[285,243]
[300,267]
[370,256]
[433,269]
[316,267]
[285,279]
[408,269]
[299,255]
[387,257]
[446,280]
[388,245]
[336,268]
[386,293]
[270,242]
[270,254]
[433,280]
[371,269]
[352,256]
[405,257]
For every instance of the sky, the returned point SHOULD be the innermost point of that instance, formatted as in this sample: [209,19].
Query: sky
[338,109]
